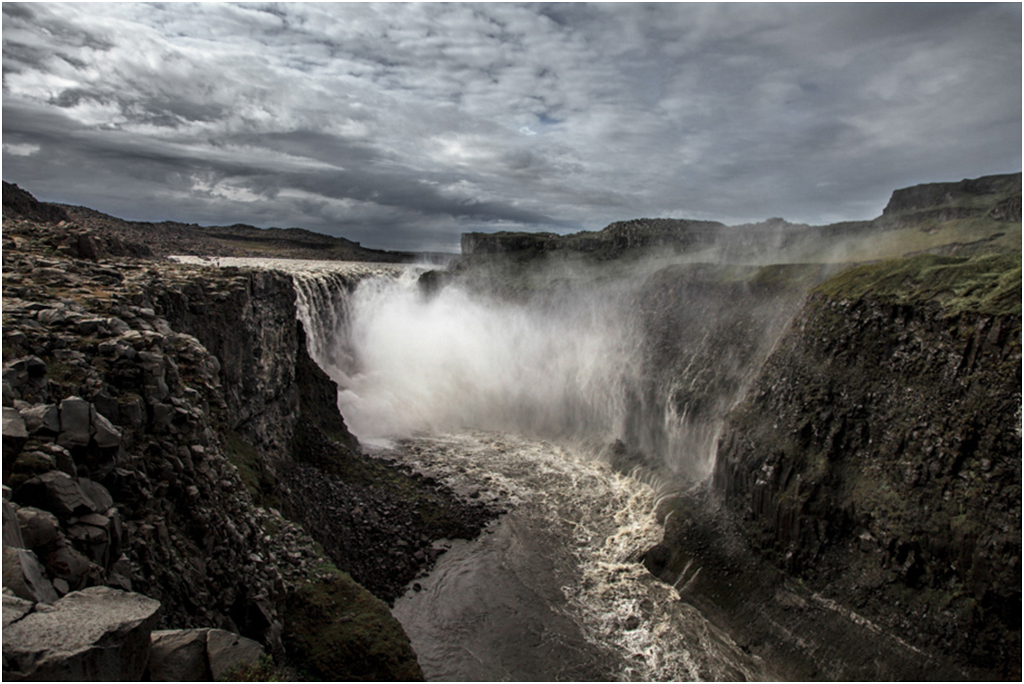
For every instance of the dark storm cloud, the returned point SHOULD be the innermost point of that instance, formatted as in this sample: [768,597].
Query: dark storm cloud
[405,124]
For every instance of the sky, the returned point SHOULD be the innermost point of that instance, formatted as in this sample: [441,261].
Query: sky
[404,125]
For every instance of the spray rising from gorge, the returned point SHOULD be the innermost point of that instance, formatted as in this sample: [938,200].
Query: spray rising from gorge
[644,362]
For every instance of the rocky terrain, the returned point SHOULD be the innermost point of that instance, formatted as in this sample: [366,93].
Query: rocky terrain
[157,417]
[174,464]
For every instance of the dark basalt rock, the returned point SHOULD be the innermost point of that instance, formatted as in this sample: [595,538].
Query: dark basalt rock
[877,459]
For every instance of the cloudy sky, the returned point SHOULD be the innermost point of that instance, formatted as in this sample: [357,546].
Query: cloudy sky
[404,125]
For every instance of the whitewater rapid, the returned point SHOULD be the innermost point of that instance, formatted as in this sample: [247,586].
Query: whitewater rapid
[553,590]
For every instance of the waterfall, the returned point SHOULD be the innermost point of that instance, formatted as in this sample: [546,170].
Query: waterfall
[653,356]
[509,398]
[409,362]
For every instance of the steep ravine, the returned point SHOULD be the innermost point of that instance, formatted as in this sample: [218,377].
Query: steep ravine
[844,469]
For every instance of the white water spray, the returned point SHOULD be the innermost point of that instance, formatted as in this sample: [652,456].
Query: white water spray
[457,360]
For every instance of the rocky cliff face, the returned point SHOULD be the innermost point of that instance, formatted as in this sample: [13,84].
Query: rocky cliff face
[994,196]
[135,455]
[877,456]
[706,330]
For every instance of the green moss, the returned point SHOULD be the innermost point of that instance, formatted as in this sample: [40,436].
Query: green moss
[989,284]
[334,630]
[258,482]
[10,351]
[263,671]
[63,373]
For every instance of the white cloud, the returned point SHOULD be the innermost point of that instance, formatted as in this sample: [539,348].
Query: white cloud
[565,116]
[21,150]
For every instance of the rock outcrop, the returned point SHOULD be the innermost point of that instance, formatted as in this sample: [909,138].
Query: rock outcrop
[876,458]
[97,634]
[136,459]
[997,197]
[199,655]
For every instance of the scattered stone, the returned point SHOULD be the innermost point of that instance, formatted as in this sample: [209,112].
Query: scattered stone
[179,655]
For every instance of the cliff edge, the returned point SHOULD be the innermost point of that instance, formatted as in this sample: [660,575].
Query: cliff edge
[863,519]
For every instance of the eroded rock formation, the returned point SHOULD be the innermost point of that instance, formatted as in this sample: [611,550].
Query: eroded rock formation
[136,458]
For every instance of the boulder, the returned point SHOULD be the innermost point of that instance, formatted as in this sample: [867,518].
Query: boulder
[28,464]
[24,576]
[42,417]
[16,373]
[12,527]
[68,564]
[97,634]
[39,529]
[179,655]
[75,423]
[65,463]
[57,492]
[227,650]
[15,436]
[92,541]
[97,494]
[105,434]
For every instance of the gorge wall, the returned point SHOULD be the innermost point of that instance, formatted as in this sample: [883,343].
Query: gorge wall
[876,459]
[879,452]
[149,409]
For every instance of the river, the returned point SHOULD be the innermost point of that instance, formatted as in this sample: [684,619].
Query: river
[553,590]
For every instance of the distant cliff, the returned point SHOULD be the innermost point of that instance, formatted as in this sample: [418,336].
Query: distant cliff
[943,217]
[141,238]
[610,242]
[995,197]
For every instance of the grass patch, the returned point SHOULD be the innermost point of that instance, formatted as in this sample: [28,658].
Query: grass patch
[989,284]
[263,671]
[258,482]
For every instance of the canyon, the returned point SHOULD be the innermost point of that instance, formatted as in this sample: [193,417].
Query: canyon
[821,460]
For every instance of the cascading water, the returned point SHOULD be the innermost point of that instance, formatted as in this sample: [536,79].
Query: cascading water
[454,360]
[515,401]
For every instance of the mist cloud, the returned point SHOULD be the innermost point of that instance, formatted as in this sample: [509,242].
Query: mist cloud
[404,125]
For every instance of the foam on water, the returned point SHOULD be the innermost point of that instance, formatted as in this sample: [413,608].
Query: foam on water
[571,542]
